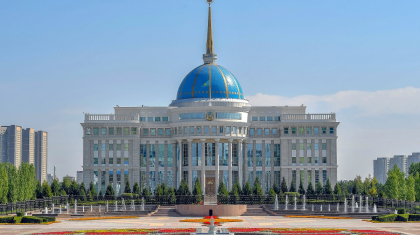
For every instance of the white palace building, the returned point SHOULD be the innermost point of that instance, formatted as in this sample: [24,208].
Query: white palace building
[212,132]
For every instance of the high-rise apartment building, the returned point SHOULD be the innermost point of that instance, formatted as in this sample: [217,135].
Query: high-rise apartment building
[12,144]
[380,169]
[381,166]
[28,145]
[412,159]
[400,161]
[41,146]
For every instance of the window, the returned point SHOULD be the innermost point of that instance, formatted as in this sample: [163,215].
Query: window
[301,146]
[266,131]
[324,177]
[111,147]
[183,116]
[142,119]
[258,154]
[133,130]
[168,132]
[126,160]
[234,129]
[308,146]
[165,119]
[185,155]
[126,131]
[324,130]
[309,161]
[192,130]
[267,154]
[293,130]
[223,154]
[259,131]
[153,132]
[185,130]
[160,132]
[274,131]
[96,131]
[316,130]
[95,147]
[103,147]
[251,131]
[262,119]
[293,146]
[118,147]
[198,129]
[277,155]
[254,119]
[240,130]
[286,130]
[316,176]
[118,160]
[221,130]
[119,131]
[206,129]
[150,119]
[269,118]
[308,130]
[301,130]
[237,116]
[111,131]
[157,119]
[111,162]
[95,161]
[294,178]
[324,160]
[213,129]
[161,155]
[152,155]
[331,130]
[316,146]
[277,118]
[250,153]
[228,129]
[145,132]
[103,131]
[324,146]
[301,160]
[309,176]
[125,147]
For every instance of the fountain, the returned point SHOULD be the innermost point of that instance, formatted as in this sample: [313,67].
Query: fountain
[395,212]
[99,208]
[367,204]
[352,203]
[276,203]
[286,201]
[338,207]
[68,207]
[142,204]
[295,207]
[211,227]
[361,203]
[75,206]
[321,207]
[91,208]
[357,205]
[46,210]
[345,205]
[374,208]
[133,207]
[83,209]
[116,206]
[329,207]
[60,209]
[52,209]
[312,207]
[304,202]
[123,205]
[107,206]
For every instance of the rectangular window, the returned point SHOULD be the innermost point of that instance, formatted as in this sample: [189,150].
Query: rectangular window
[142,119]
[309,161]
[308,130]
[118,161]
[126,131]
[126,160]
[185,155]
[316,130]
[221,130]
[191,129]
[152,181]
[206,129]
[161,155]
[324,130]
[324,177]
[266,131]
[237,116]
[145,132]
[294,178]
[252,131]
[262,119]
[223,154]
[143,155]
[228,129]
[103,161]
[111,161]
[160,132]
[150,119]
[308,146]
[240,130]
[259,131]
[153,132]
[103,131]
[277,118]
[95,147]
[111,131]
[170,156]
[111,147]
[301,146]
[324,146]
[118,147]
[250,154]
[270,118]
[316,146]
[286,130]
[258,154]
[293,146]
[331,130]
[276,154]
[125,147]
[293,130]
[267,154]
[254,119]
[213,129]
[301,160]
[234,129]
[96,131]
[119,131]
[133,130]
[324,160]
[95,160]
[168,132]
[316,176]
[185,130]
[294,160]
[165,119]
[309,176]
[103,147]
[184,116]
[274,131]
[210,154]
[199,130]
[152,155]
[301,130]
[157,119]
[235,155]
[196,154]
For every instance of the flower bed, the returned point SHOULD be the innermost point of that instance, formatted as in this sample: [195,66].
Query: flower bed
[101,218]
[317,217]
[206,220]
[127,231]
[329,231]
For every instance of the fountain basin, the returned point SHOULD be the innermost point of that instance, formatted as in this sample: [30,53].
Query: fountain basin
[203,210]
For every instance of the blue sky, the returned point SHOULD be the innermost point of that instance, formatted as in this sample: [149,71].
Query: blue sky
[61,58]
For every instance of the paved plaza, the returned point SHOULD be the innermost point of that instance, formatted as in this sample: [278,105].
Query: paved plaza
[248,221]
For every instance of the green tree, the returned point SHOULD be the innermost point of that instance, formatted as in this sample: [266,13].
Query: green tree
[391,187]
[222,191]
[38,190]
[46,190]
[197,192]
[247,189]
[318,188]
[276,188]
[145,192]
[74,188]
[109,190]
[310,190]
[257,190]
[414,168]
[136,188]
[327,188]
[92,190]
[12,176]
[417,185]
[4,184]
[127,188]
[402,186]
[236,188]
[158,191]
[55,187]
[337,189]
[66,185]
[292,186]
[82,192]
[283,186]
[301,188]
[357,185]
[172,196]
[410,185]
[183,189]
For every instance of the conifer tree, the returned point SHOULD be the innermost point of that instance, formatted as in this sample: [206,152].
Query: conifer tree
[247,189]
[127,188]
[109,191]
[276,188]
[327,188]
[318,188]
[92,189]
[38,190]
[292,187]
[222,191]
[301,188]
[197,192]
[46,190]
[257,190]
[337,189]
[55,187]
[417,185]
[310,189]
[136,188]
[283,186]
[145,192]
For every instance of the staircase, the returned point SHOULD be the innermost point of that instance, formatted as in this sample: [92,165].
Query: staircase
[166,211]
[255,210]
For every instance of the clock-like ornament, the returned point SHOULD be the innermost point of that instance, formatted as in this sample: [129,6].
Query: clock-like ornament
[209,116]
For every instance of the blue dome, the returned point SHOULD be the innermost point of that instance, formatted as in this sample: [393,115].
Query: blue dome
[210,81]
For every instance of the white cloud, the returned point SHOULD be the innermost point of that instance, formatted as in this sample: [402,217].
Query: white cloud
[369,103]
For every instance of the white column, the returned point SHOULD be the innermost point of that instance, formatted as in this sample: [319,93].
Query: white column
[190,179]
[180,163]
[240,176]
[216,168]
[245,164]
[230,164]
[203,166]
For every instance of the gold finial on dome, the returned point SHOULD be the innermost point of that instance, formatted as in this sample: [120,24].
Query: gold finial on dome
[209,57]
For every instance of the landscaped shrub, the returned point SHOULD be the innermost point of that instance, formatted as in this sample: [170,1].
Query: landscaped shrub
[17,219]
[8,219]
[20,214]
[292,194]
[387,218]
[401,217]
[414,217]
[127,196]
[47,219]
[31,220]
[375,217]
[401,211]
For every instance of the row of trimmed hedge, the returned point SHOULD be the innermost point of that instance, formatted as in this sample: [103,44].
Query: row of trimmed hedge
[397,217]
[26,219]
